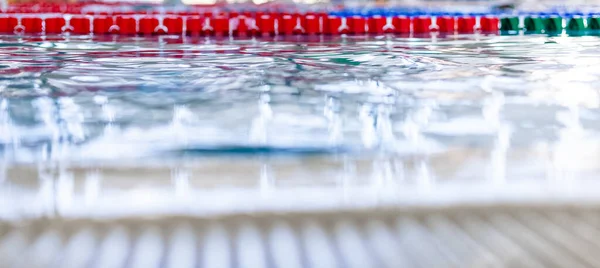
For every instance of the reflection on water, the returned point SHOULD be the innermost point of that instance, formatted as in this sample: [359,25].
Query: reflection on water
[136,124]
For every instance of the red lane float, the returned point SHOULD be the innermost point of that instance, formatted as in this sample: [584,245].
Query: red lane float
[446,24]
[466,24]
[240,24]
[489,24]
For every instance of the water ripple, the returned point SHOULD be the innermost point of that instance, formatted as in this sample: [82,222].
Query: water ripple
[154,95]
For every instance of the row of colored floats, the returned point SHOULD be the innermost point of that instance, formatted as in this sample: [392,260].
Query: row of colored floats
[548,23]
[270,23]
[265,24]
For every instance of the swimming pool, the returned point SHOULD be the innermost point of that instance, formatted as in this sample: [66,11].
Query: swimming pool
[294,122]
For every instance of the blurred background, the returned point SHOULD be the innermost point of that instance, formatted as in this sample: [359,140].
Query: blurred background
[474,150]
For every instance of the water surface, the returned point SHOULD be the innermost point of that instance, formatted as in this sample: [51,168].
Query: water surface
[382,111]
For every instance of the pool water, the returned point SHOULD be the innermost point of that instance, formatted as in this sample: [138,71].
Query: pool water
[400,115]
